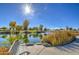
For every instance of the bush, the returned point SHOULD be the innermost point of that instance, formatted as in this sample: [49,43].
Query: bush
[4,51]
[25,39]
[12,39]
[4,36]
[59,37]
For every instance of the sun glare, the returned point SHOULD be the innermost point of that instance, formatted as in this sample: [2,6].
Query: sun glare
[28,9]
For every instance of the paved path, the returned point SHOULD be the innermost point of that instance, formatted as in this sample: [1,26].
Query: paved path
[69,49]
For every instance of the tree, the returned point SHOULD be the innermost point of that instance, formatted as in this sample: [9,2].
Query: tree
[4,28]
[25,24]
[71,28]
[45,29]
[41,27]
[67,28]
[30,28]
[35,28]
[18,28]
[78,28]
[12,25]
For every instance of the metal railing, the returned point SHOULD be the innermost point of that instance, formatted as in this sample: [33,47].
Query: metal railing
[14,47]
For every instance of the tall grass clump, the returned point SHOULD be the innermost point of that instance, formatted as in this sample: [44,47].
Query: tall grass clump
[59,37]
[4,51]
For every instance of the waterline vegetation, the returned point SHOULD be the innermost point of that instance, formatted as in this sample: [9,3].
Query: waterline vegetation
[60,37]
[53,38]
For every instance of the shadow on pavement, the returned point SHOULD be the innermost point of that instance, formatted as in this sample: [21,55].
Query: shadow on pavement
[25,53]
[70,47]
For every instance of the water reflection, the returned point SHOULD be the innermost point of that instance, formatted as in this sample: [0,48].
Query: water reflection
[34,37]
[4,42]
[24,37]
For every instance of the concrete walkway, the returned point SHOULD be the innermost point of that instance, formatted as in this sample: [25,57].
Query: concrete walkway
[69,49]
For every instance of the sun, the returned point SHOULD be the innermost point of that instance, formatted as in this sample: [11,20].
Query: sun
[28,9]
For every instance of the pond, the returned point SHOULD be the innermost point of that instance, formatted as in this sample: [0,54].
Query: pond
[33,39]
[4,42]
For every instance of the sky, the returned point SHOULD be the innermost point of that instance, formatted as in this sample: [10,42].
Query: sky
[54,15]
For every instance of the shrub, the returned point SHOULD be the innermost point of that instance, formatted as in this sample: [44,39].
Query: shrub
[4,36]
[12,39]
[59,37]
[4,51]
[25,39]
